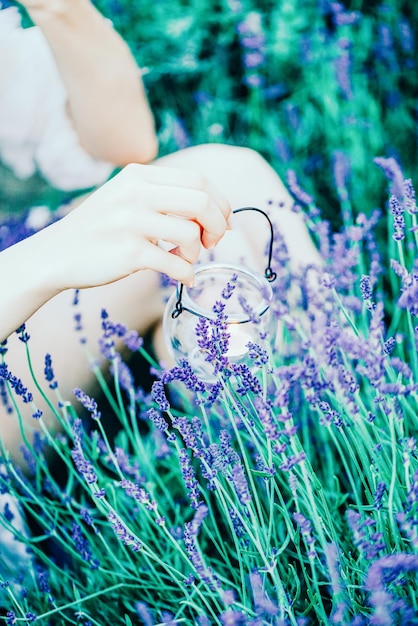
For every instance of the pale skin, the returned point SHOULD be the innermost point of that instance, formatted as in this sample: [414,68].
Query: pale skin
[109,245]
[106,97]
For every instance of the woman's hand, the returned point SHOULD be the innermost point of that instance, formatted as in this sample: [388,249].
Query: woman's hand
[116,231]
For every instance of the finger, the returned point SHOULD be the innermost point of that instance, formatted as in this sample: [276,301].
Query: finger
[170,228]
[176,177]
[174,266]
[189,253]
[191,204]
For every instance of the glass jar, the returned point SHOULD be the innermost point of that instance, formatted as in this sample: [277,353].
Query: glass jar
[246,297]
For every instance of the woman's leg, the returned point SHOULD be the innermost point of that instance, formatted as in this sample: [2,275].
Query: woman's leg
[247,179]
[138,301]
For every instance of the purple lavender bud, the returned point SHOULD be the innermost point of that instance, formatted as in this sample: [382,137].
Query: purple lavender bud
[23,335]
[189,477]
[409,196]
[253,80]
[253,59]
[365,287]
[391,169]
[15,383]
[49,372]
[81,544]
[300,195]
[263,604]
[89,403]
[144,613]
[158,395]
[240,483]
[305,526]
[157,419]
[11,618]
[133,341]
[233,618]
[378,495]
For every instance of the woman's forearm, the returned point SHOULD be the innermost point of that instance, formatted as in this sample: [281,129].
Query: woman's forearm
[24,282]
[106,96]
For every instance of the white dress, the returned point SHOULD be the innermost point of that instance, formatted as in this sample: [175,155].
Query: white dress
[35,131]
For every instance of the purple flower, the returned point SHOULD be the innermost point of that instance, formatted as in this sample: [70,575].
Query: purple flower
[123,533]
[305,526]
[365,287]
[43,581]
[247,381]
[157,419]
[191,531]
[190,481]
[263,604]
[23,335]
[82,464]
[299,194]
[144,613]
[409,197]
[11,618]
[239,480]
[368,542]
[378,495]
[15,383]
[343,69]
[133,341]
[393,173]
[49,372]
[89,403]
[380,574]
[82,546]
[158,395]
[233,618]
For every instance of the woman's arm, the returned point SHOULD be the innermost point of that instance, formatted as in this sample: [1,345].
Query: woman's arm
[106,96]
[113,234]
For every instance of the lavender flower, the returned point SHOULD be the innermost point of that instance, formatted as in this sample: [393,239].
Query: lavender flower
[239,480]
[378,495]
[263,605]
[190,481]
[299,194]
[233,618]
[89,403]
[393,173]
[305,526]
[365,287]
[82,464]
[15,383]
[122,532]
[49,372]
[380,573]
[82,546]
[191,531]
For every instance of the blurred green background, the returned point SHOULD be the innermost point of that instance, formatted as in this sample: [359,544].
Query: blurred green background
[316,86]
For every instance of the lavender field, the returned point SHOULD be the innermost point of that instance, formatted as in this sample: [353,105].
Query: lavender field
[284,492]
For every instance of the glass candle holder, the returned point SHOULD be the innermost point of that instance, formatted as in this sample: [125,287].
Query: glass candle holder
[245,298]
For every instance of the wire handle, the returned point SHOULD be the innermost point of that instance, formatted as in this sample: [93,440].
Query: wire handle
[269,274]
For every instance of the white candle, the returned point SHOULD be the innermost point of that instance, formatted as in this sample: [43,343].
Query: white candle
[238,341]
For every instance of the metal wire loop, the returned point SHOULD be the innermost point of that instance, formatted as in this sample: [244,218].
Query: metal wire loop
[269,274]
